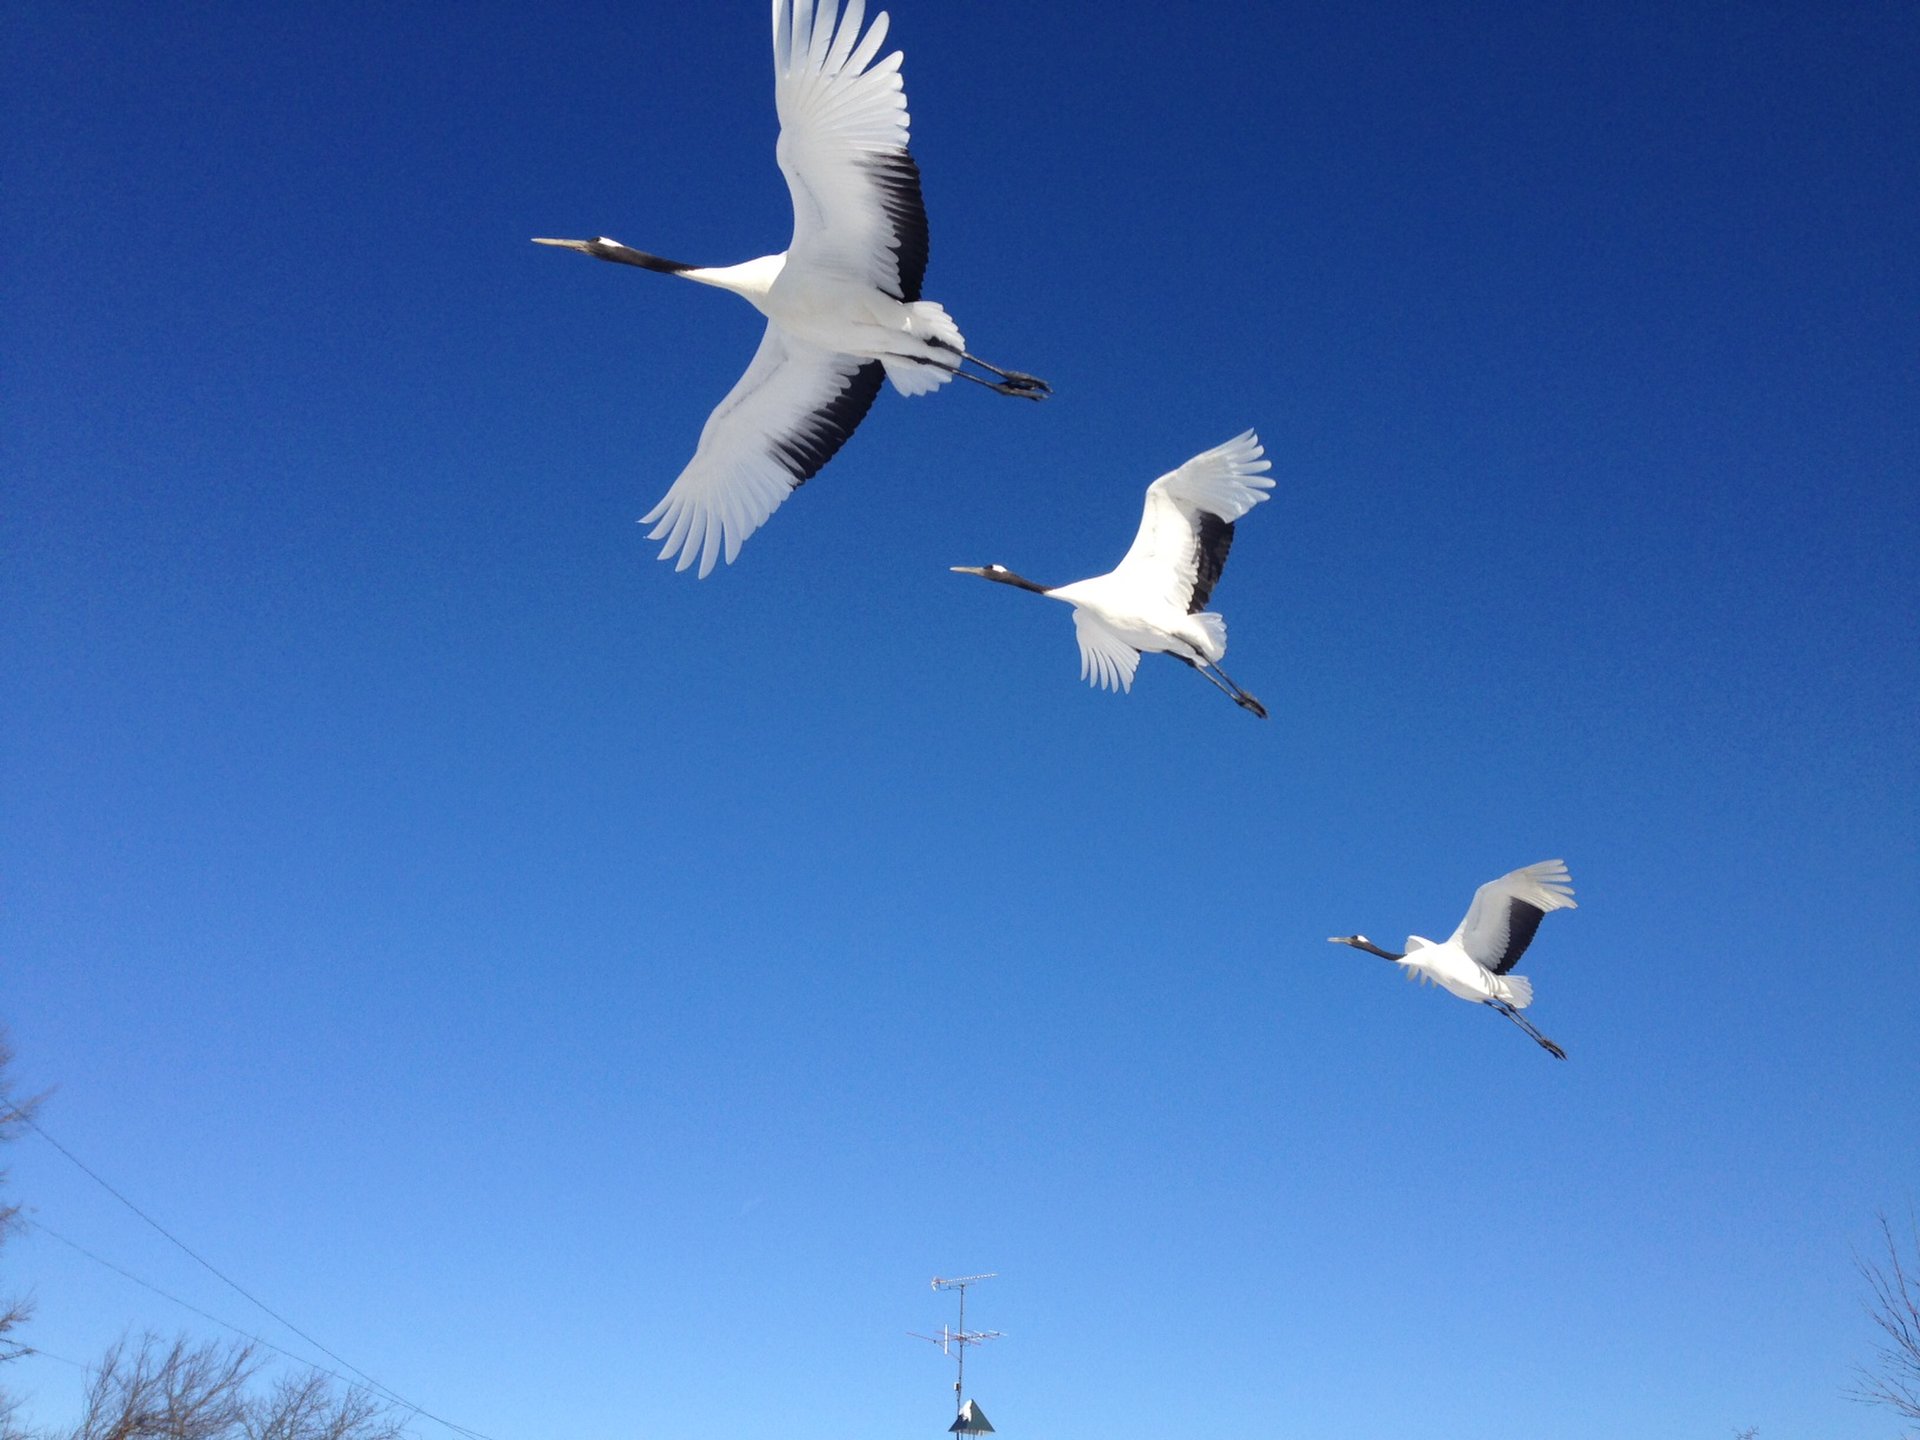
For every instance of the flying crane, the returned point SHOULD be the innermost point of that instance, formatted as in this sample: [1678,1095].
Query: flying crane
[1156,598]
[1476,961]
[842,302]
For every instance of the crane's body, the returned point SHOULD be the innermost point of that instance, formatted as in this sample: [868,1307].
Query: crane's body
[1149,628]
[1476,960]
[914,341]
[1155,600]
[842,302]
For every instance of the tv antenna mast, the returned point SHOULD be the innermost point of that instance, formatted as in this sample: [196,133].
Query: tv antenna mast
[968,1420]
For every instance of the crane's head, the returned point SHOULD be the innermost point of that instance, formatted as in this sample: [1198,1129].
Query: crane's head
[1000,573]
[1360,942]
[605,248]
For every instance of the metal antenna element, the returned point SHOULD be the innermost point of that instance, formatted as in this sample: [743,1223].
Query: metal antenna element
[954,1342]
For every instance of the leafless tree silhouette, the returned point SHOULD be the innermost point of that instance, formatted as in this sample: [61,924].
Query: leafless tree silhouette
[179,1391]
[14,1309]
[154,1390]
[151,1389]
[1893,1304]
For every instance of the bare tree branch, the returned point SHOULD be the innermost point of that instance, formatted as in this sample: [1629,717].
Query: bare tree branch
[183,1391]
[309,1408]
[9,1429]
[1893,1304]
[14,1309]
[152,1391]
[13,1115]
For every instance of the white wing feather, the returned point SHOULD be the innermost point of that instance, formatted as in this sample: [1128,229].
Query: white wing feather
[843,148]
[1226,481]
[1106,661]
[792,409]
[1491,933]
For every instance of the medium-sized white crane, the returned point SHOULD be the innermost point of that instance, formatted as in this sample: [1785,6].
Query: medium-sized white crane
[1156,598]
[1476,961]
[842,302]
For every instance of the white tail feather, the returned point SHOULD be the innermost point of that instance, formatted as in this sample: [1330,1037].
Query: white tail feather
[912,377]
[1215,628]
[929,321]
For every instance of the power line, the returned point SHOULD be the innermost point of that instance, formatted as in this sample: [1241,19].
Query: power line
[126,1274]
[24,1118]
[22,1351]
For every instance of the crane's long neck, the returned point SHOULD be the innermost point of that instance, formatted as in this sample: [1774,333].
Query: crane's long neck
[751,279]
[1020,582]
[1360,942]
[1003,575]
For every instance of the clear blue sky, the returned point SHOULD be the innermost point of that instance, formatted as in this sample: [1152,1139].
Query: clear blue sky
[596,1001]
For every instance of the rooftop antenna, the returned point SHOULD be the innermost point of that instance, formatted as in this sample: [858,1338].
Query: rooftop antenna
[968,1419]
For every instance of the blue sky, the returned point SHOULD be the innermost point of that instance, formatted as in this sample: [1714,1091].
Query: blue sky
[596,1001]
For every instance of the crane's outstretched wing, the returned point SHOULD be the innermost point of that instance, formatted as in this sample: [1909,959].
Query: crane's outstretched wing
[857,211]
[1505,913]
[1187,527]
[1106,660]
[789,413]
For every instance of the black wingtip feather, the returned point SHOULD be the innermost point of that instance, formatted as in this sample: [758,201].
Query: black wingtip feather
[1522,921]
[822,434]
[898,180]
[1214,540]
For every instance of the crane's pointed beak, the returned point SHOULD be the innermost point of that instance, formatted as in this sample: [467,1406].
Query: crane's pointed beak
[584,246]
[968,569]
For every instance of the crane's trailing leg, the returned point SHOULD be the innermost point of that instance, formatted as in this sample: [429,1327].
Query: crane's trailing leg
[1218,678]
[997,386]
[1011,382]
[1240,697]
[1527,1025]
[1015,382]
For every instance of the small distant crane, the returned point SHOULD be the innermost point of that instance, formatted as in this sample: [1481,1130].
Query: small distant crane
[1155,599]
[968,1418]
[1476,962]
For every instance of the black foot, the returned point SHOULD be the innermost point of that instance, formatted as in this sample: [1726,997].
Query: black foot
[1013,382]
[1247,702]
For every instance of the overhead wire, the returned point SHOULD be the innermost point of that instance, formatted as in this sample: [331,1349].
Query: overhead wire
[21,1351]
[366,1380]
[45,1229]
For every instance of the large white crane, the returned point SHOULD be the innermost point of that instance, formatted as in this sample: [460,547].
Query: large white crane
[1156,598]
[1476,961]
[842,302]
